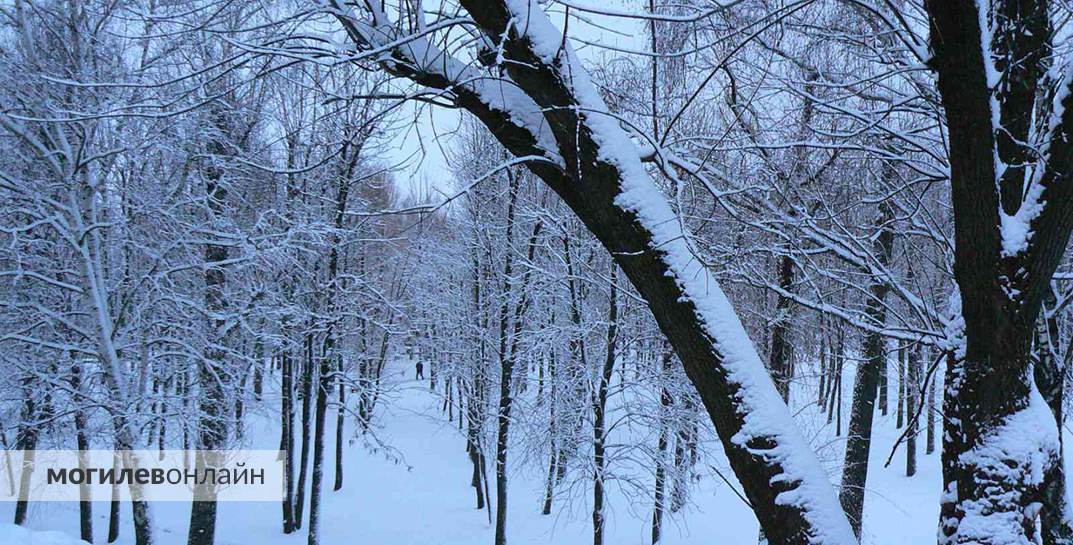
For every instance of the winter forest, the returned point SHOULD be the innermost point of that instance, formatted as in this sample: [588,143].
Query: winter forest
[496,272]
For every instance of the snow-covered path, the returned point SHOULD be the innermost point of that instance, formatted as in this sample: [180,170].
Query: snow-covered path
[410,486]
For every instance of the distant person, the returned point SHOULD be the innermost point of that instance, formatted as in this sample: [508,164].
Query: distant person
[420,371]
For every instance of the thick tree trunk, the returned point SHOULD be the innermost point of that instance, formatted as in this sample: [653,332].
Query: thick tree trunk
[1000,172]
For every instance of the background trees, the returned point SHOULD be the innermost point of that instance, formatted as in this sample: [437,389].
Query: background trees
[742,211]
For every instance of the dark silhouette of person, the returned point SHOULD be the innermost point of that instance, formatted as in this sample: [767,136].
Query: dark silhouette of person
[420,371]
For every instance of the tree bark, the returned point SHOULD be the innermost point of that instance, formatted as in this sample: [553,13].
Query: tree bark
[902,406]
[929,441]
[212,374]
[324,388]
[912,385]
[665,402]
[287,436]
[781,350]
[992,493]
[26,441]
[859,435]
[85,499]
[1050,377]
[599,409]
[339,421]
[553,419]
[307,376]
[506,366]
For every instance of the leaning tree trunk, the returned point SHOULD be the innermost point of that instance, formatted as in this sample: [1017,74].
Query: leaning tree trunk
[557,121]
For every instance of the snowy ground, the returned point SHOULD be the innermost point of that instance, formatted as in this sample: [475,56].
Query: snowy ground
[418,493]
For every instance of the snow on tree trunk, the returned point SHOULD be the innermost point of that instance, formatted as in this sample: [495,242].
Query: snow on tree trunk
[1013,211]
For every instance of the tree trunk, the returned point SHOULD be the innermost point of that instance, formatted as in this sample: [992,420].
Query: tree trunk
[781,350]
[324,389]
[113,509]
[820,389]
[597,171]
[883,385]
[665,402]
[287,435]
[902,409]
[997,173]
[933,385]
[26,441]
[506,368]
[339,421]
[1050,377]
[85,499]
[834,411]
[912,386]
[303,458]
[553,402]
[859,435]
[599,409]
[213,377]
